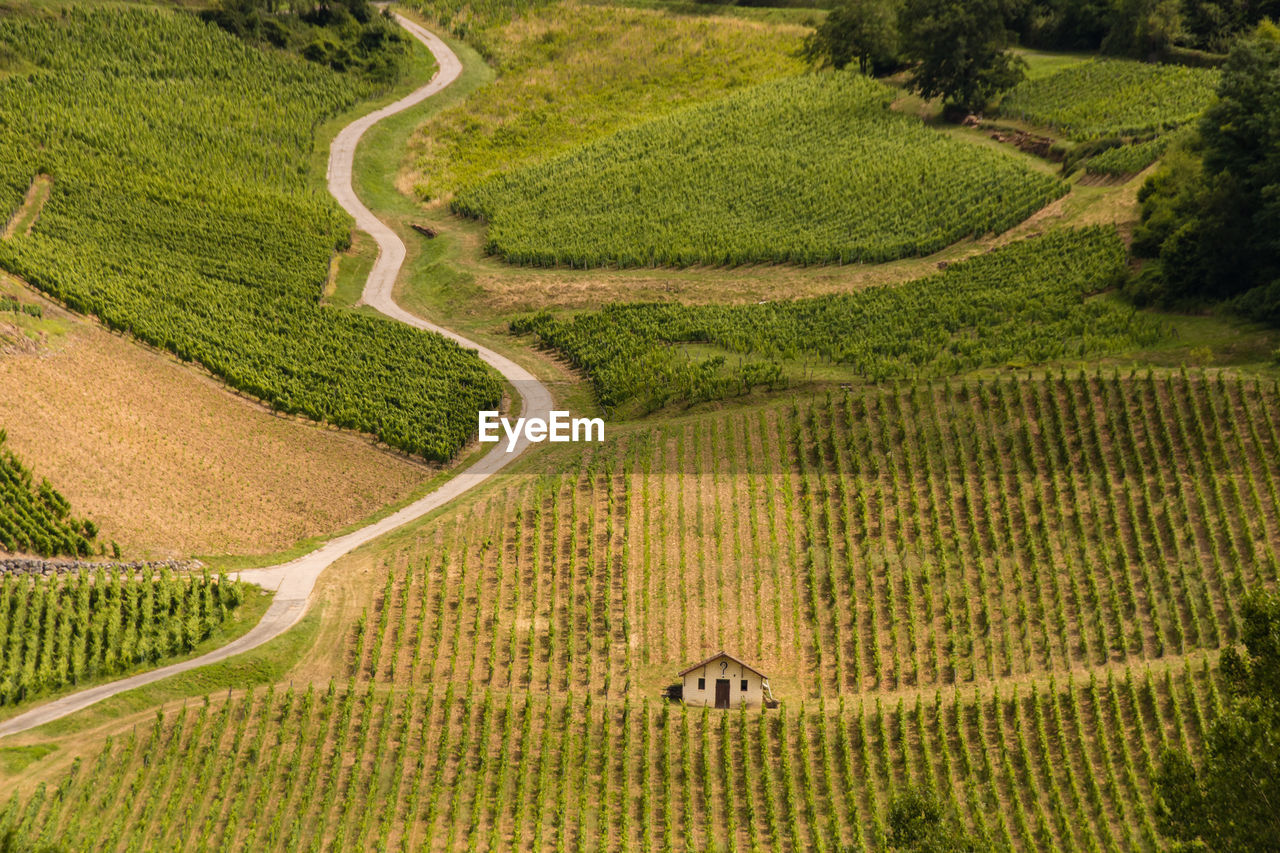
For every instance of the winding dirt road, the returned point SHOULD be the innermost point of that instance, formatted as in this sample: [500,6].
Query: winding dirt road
[294,581]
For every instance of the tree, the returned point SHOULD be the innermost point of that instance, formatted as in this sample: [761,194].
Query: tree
[960,47]
[1063,24]
[1144,29]
[1211,216]
[918,823]
[1230,803]
[1240,130]
[862,30]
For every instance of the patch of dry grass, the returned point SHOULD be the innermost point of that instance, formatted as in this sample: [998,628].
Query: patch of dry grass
[572,73]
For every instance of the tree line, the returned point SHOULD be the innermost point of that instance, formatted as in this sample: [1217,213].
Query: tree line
[1210,217]
[959,50]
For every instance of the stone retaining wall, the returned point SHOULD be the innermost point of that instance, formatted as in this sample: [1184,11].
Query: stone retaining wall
[37,566]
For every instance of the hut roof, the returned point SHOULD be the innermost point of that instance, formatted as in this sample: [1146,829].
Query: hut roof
[720,654]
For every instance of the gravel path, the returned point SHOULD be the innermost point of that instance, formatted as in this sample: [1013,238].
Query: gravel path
[294,581]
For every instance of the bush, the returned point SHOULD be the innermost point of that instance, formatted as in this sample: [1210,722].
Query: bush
[345,36]
[1261,304]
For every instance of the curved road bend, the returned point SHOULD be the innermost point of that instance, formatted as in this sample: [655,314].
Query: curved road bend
[294,581]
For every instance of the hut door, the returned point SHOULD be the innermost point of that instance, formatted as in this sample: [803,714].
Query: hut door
[722,693]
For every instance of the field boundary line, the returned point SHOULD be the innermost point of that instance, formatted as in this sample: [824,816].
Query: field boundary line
[294,581]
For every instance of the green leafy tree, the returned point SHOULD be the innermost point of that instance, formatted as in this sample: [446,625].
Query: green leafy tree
[919,823]
[346,35]
[1231,802]
[862,31]
[1211,216]
[961,50]
[1144,29]
[1064,24]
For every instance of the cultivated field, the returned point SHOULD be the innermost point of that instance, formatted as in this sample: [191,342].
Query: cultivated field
[921,536]
[811,169]
[1026,303]
[1040,766]
[56,632]
[973,546]
[1013,589]
[1112,97]
[35,518]
[181,214]
[1128,159]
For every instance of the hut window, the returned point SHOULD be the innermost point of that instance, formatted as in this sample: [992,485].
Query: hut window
[744,685]
[702,684]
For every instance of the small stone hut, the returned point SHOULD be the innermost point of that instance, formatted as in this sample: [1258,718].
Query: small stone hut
[724,681]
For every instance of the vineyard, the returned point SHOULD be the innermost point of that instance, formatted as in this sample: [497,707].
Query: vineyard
[570,73]
[180,213]
[1027,302]
[1113,97]
[974,548]
[1009,590]
[34,518]
[918,536]
[12,304]
[57,631]
[811,169]
[436,767]
[1128,159]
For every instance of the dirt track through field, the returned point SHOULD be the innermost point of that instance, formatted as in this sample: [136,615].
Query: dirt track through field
[294,581]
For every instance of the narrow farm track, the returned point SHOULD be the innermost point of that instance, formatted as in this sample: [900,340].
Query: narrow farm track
[294,581]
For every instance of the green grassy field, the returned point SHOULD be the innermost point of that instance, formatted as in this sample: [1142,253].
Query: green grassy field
[569,73]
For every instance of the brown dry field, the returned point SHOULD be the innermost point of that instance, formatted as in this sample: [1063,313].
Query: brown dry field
[171,463]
